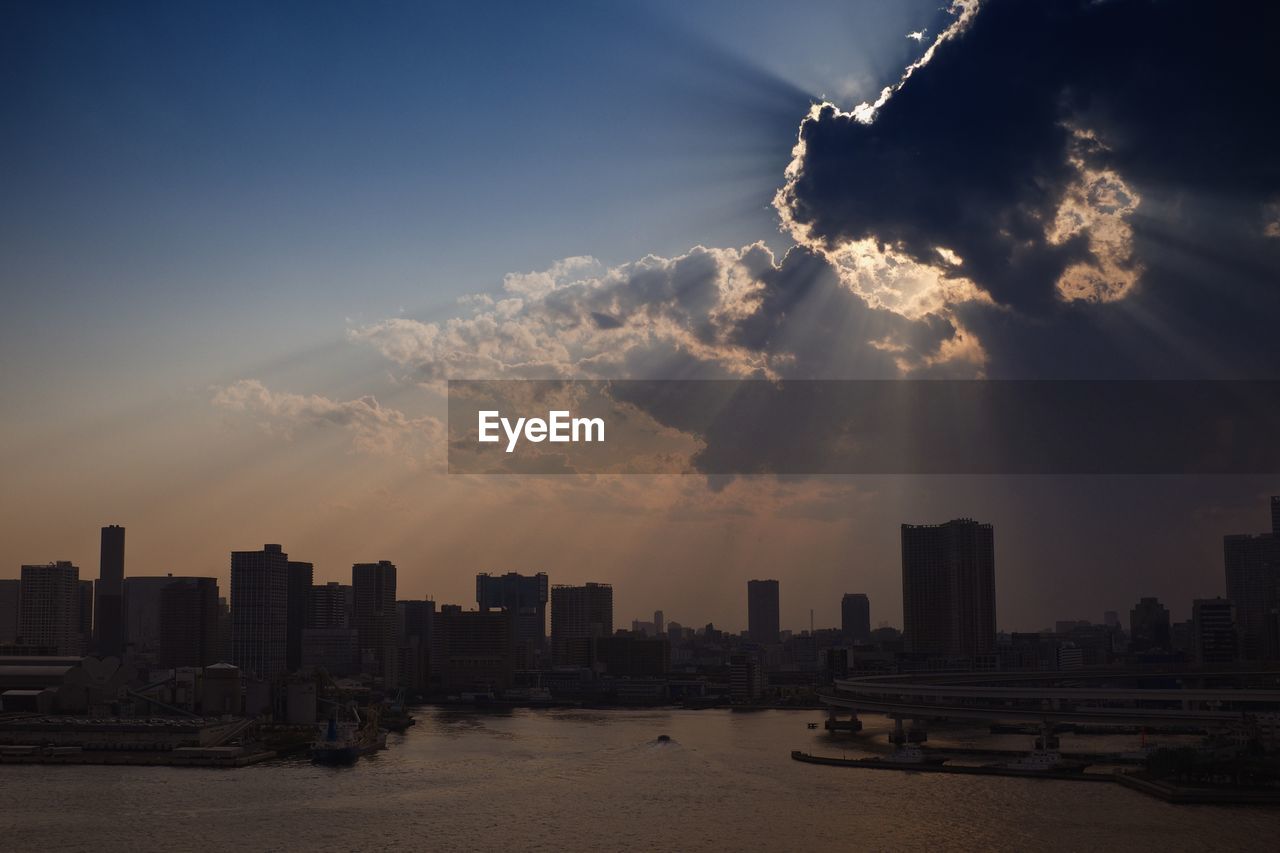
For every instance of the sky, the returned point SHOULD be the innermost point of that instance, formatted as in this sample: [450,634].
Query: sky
[241,247]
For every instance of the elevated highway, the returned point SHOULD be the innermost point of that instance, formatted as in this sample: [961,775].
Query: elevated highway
[1216,699]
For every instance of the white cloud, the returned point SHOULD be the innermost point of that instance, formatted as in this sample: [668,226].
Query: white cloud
[374,428]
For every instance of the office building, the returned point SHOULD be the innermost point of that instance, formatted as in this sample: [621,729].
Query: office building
[188,623]
[1149,629]
[260,611]
[579,614]
[373,588]
[855,617]
[299,606]
[1252,565]
[1213,632]
[109,631]
[526,597]
[949,589]
[763,611]
[49,608]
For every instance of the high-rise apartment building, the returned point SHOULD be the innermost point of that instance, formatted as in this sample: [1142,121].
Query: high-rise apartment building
[525,596]
[109,631]
[331,606]
[260,611]
[949,589]
[84,613]
[141,613]
[373,587]
[49,609]
[299,604]
[415,634]
[1252,565]
[579,615]
[855,617]
[1214,640]
[188,622]
[10,589]
[763,611]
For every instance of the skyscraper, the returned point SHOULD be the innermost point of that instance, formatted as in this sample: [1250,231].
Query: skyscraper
[579,614]
[10,589]
[1149,627]
[300,577]
[525,596]
[49,610]
[763,611]
[1253,575]
[373,586]
[109,593]
[142,613]
[949,589]
[189,623]
[855,617]
[260,610]
[84,613]
[416,634]
[332,606]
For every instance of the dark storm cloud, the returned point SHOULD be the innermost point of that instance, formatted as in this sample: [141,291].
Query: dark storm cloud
[979,149]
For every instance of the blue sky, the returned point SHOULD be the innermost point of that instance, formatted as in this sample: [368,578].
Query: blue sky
[212,188]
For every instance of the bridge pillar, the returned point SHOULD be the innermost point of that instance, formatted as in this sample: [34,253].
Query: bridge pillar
[898,736]
[835,724]
[1047,740]
[917,733]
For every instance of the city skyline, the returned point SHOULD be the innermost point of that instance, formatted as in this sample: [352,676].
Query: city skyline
[294,326]
[511,591]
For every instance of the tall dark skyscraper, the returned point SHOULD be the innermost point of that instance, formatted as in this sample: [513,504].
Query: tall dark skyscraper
[300,577]
[10,590]
[418,641]
[49,610]
[579,615]
[1149,627]
[109,594]
[373,587]
[260,610]
[188,623]
[763,611]
[855,617]
[1252,565]
[84,612]
[949,589]
[525,596]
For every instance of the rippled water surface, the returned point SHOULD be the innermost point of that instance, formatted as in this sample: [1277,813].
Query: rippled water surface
[602,780]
